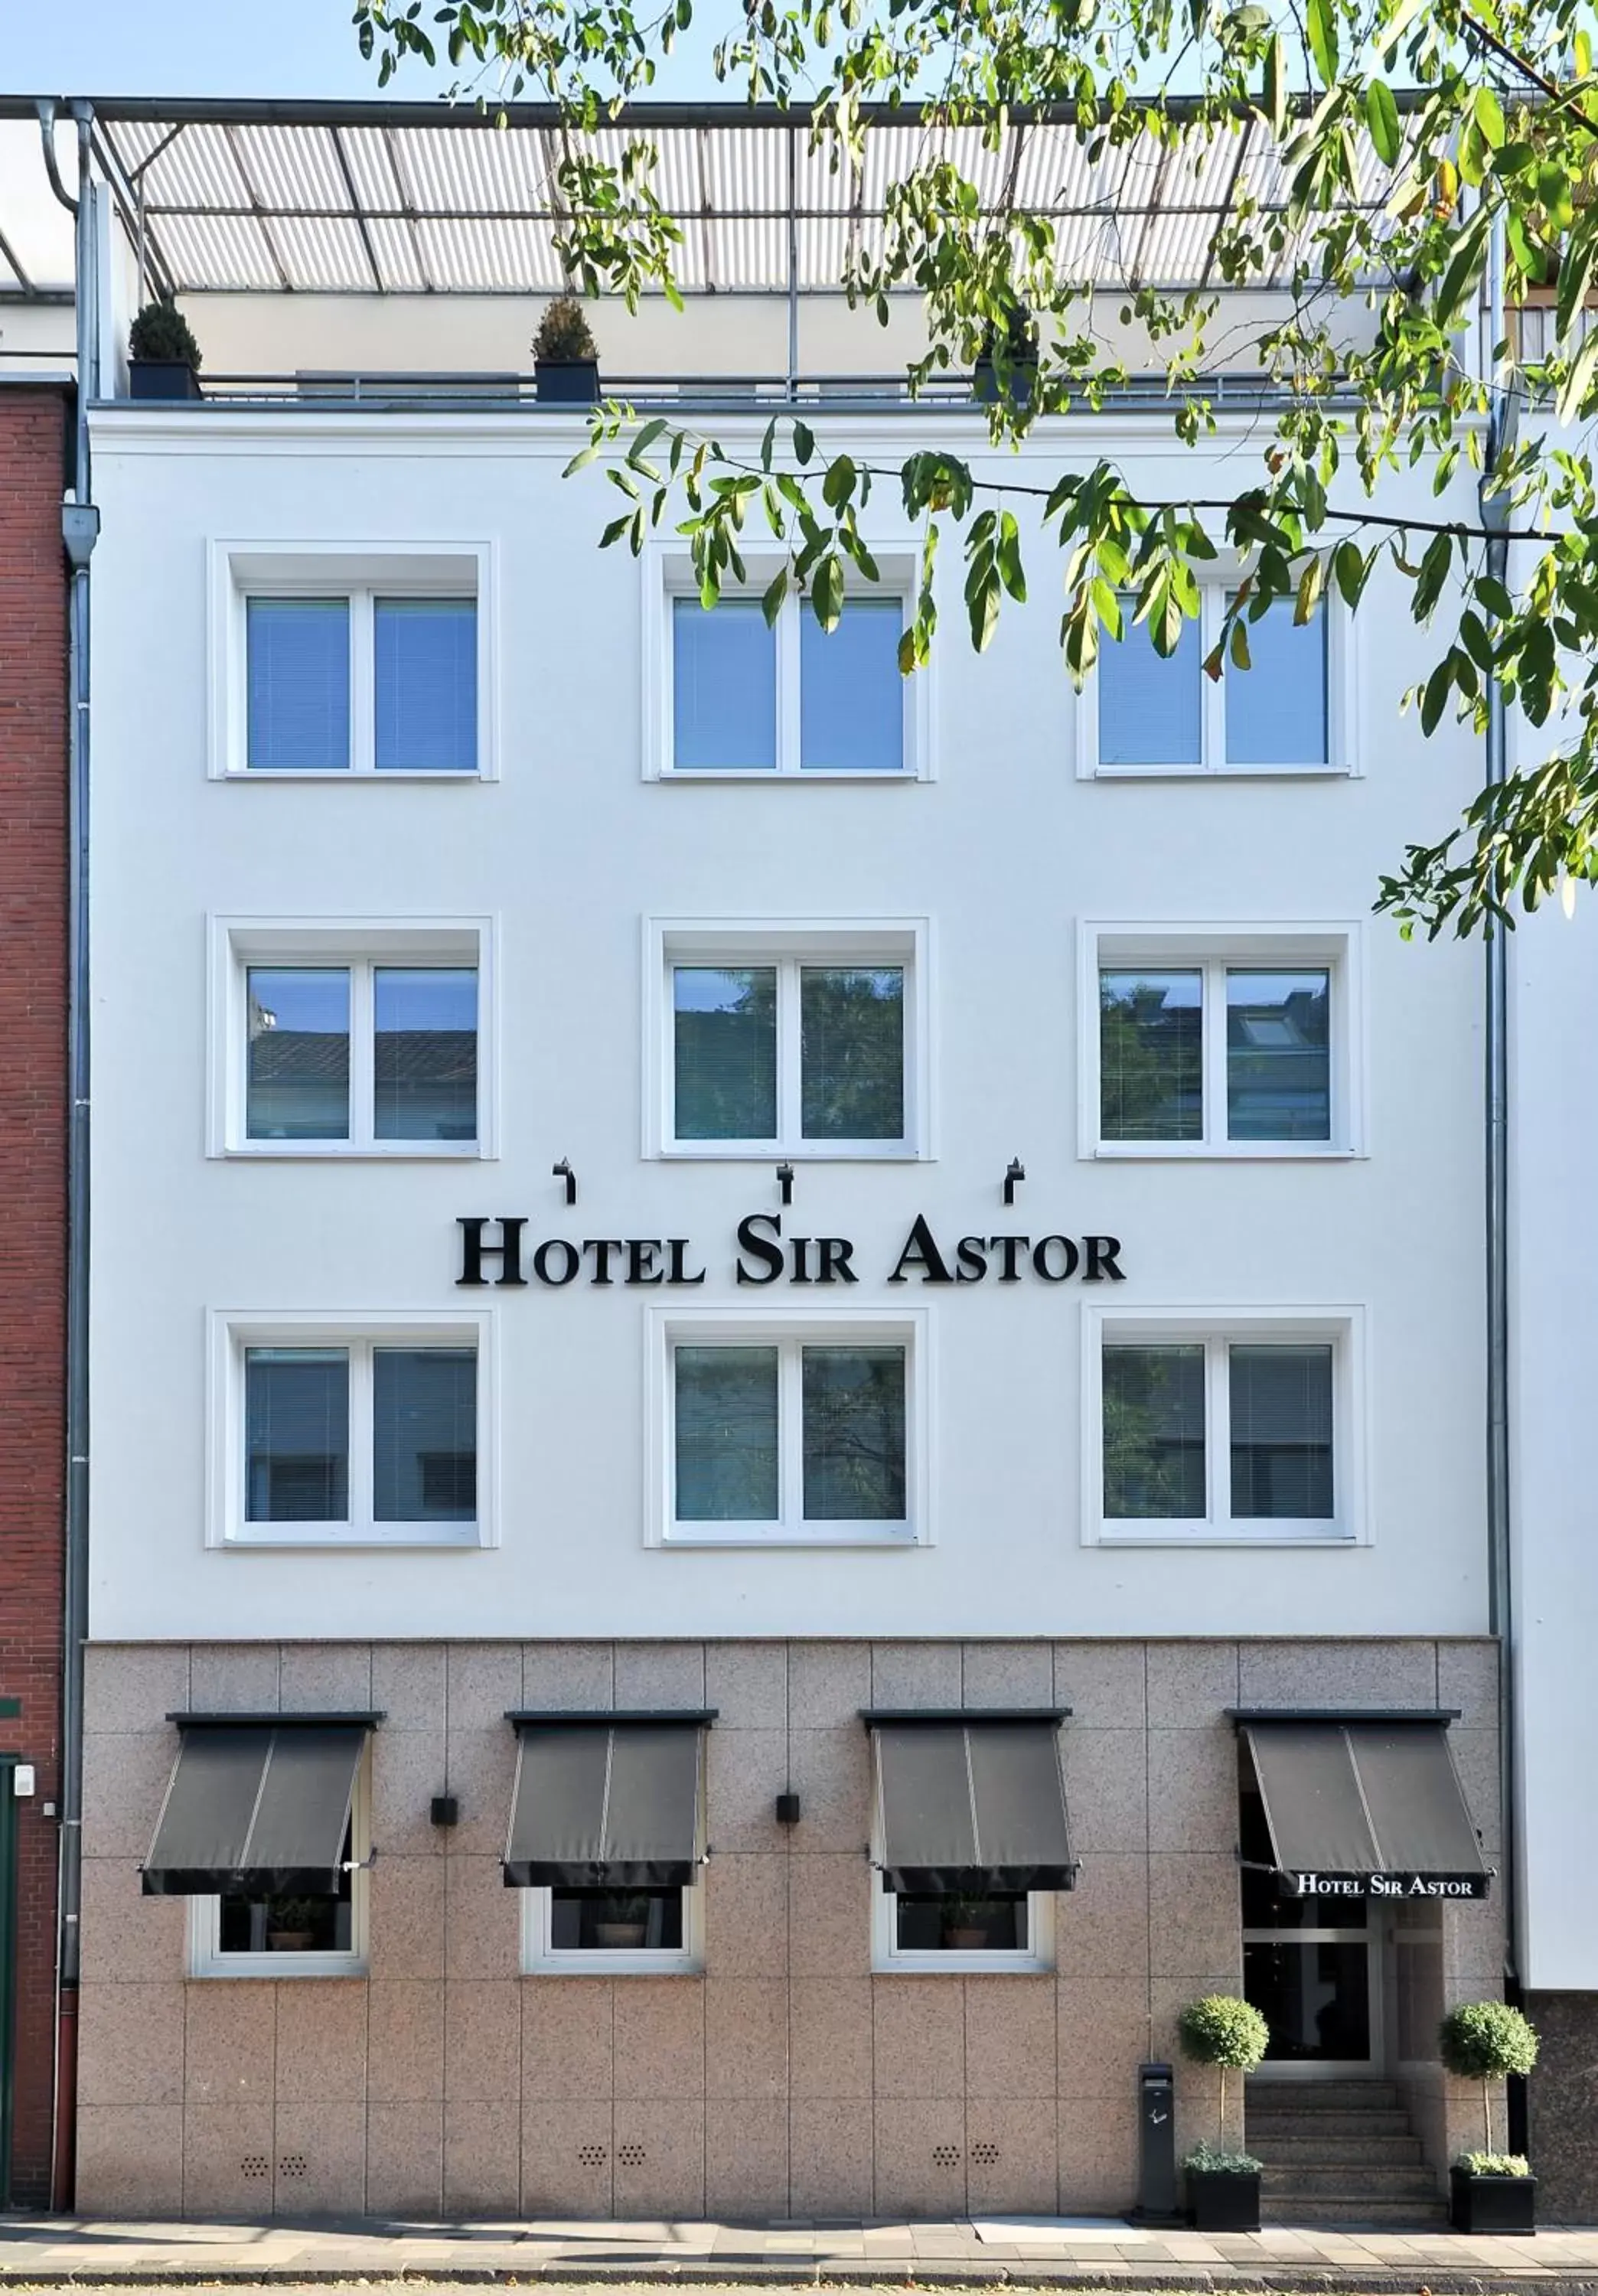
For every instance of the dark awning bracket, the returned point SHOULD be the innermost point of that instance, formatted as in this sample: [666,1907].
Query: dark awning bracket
[971,1799]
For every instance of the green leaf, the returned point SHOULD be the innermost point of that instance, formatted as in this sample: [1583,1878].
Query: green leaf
[1464,269]
[1010,572]
[1238,648]
[1579,379]
[771,602]
[1323,38]
[1309,589]
[839,483]
[826,592]
[1433,574]
[804,442]
[1436,695]
[581,460]
[1489,116]
[1381,118]
[1348,564]
[1275,86]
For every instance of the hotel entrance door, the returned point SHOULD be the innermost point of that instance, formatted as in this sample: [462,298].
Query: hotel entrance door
[1311,1968]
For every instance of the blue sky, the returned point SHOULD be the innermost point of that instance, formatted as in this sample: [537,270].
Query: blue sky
[195,47]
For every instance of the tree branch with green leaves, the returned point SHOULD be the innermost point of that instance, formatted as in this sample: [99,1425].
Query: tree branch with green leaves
[1476,126]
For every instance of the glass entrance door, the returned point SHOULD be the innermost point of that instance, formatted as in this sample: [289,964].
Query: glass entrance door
[1314,1979]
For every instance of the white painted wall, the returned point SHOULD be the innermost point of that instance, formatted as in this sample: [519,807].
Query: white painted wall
[1003,853]
[1554,974]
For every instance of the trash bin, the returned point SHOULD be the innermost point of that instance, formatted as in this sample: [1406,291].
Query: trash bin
[1157,2199]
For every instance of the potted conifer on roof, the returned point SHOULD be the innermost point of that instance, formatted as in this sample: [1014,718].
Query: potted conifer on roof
[565,355]
[163,358]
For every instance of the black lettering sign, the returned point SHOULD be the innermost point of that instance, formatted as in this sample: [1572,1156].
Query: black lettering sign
[920,1250]
[475,1248]
[766,1254]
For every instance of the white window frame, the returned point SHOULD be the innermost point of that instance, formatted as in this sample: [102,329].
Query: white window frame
[361,945]
[789,1329]
[1215,949]
[539,1958]
[791,942]
[888,1957]
[233,1331]
[1343,749]
[667,575]
[360,571]
[205,1958]
[1342,1328]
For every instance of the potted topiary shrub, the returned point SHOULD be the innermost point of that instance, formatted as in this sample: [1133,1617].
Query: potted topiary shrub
[1222,2188]
[1013,375]
[565,355]
[1489,2191]
[163,358]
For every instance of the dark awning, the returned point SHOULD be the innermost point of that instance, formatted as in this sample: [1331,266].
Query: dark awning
[605,1800]
[258,1804]
[968,1801]
[1364,1805]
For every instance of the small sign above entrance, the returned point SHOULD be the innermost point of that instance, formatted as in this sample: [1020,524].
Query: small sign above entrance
[1383,1885]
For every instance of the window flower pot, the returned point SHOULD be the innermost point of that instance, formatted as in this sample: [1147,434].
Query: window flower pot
[965,1940]
[149,378]
[566,382]
[1491,2204]
[288,1940]
[1223,2199]
[619,1934]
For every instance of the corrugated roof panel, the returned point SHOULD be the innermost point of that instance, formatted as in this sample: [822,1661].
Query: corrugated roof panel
[820,186]
[291,166]
[197,169]
[476,256]
[399,262]
[466,171]
[202,252]
[322,256]
[824,244]
[376,185]
[746,168]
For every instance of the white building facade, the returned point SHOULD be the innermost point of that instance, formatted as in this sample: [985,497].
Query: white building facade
[764,1340]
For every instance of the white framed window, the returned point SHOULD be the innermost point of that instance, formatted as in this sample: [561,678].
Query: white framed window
[728,696]
[949,1931]
[352,1430]
[1292,711]
[236,1936]
[622,1932]
[1223,1426]
[363,1037]
[352,663]
[788,1429]
[800,1038]
[1245,1042]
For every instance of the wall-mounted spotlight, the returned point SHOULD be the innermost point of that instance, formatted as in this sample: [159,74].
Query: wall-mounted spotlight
[1015,1172]
[786,1181]
[563,1171]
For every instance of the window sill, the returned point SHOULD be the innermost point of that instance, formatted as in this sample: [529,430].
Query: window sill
[339,1151]
[773,775]
[1226,773]
[352,775]
[746,1152]
[322,1538]
[601,1964]
[962,1965]
[1225,1152]
[753,1540]
[252,1966]
[1166,1537]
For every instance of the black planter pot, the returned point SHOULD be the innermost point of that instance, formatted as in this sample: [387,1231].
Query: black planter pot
[1488,2204]
[149,378]
[567,383]
[1223,2199]
[1022,379]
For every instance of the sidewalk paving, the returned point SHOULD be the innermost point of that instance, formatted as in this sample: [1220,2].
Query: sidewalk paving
[1074,2252]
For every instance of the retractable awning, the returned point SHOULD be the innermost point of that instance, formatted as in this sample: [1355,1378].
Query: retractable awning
[256,1804]
[1362,1804]
[606,1801]
[968,1802]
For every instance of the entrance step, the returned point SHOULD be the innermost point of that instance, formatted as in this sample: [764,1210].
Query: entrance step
[1340,2153]
[1296,2150]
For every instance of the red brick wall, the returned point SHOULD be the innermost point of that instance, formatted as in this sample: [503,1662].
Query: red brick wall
[33,1201]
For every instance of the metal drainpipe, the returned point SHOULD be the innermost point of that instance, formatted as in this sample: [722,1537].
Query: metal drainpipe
[1502,420]
[80,526]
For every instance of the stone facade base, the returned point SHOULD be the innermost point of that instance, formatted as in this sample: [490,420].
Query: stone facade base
[787,2078]
[1563,2100]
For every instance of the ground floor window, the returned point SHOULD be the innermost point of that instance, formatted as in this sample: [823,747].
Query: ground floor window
[293,1935]
[951,1929]
[609,1933]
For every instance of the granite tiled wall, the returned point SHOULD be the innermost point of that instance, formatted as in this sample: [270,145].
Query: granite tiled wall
[787,2080]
